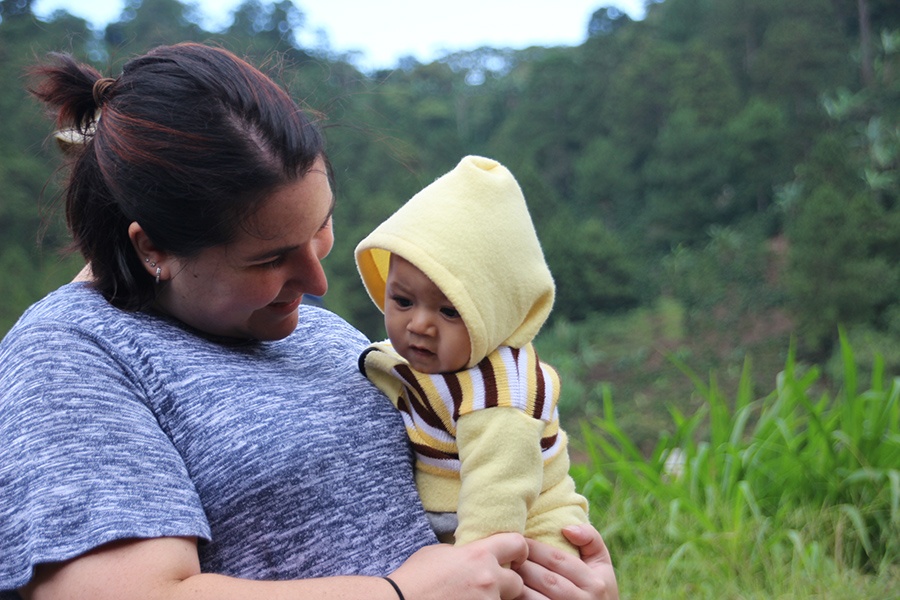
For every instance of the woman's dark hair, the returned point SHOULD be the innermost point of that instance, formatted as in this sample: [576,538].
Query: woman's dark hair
[188,141]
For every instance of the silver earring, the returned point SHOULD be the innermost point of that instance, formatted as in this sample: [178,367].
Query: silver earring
[158,271]
[147,260]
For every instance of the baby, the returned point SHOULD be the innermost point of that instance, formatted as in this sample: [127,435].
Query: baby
[461,278]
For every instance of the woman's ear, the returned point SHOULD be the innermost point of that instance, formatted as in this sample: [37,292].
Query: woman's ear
[155,260]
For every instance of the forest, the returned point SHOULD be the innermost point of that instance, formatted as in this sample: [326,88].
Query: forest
[716,187]
[711,182]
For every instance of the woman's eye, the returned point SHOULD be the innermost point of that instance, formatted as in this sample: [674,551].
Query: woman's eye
[450,312]
[273,264]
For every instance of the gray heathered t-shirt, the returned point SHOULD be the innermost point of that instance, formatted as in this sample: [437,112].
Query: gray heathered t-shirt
[279,456]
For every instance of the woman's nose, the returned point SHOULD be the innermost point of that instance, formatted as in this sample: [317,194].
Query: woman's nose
[309,275]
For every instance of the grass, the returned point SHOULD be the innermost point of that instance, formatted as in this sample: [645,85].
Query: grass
[791,494]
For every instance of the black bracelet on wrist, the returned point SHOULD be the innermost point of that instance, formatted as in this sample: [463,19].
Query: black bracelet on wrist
[395,586]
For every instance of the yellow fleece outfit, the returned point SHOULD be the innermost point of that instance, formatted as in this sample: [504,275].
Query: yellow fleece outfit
[500,465]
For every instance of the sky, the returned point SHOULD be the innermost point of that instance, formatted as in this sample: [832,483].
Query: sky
[387,30]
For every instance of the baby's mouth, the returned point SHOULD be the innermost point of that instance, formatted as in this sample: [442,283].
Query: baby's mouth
[421,350]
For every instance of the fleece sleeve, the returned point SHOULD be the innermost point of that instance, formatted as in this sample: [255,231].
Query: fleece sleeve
[501,471]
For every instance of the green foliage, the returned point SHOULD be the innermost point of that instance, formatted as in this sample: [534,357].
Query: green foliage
[843,268]
[842,221]
[800,484]
[686,182]
[623,352]
[592,268]
[726,276]
[801,54]
[605,182]
[834,275]
[148,23]
[757,153]
[633,148]
[704,84]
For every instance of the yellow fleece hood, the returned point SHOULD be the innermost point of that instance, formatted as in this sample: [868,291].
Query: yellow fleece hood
[471,234]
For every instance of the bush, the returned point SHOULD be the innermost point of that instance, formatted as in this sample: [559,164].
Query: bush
[792,491]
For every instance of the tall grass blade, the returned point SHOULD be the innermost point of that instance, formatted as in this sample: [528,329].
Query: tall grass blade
[859,525]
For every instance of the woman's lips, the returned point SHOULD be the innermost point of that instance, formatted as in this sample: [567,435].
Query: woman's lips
[286,307]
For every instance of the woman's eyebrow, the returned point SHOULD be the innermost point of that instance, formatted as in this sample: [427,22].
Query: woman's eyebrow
[271,253]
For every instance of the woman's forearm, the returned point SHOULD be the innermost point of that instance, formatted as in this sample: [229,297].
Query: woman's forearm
[169,569]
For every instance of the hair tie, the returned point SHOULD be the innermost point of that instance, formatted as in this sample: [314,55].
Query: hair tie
[101,88]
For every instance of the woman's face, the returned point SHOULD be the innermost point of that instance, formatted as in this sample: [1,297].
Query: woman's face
[253,286]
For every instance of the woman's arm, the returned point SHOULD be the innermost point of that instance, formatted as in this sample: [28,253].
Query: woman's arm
[550,573]
[169,569]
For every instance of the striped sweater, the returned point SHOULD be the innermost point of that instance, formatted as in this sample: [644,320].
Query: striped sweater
[487,440]
[432,404]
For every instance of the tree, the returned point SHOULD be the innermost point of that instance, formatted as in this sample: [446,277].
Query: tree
[16,9]
[148,23]
[836,275]
[592,268]
[834,279]
[803,52]
[687,183]
[262,28]
[606,185]
[542,131]
[702,82]
[639,97]
[756,148]
[845,229]
[607,21]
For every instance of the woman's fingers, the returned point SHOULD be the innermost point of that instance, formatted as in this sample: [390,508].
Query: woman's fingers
[557,575]
[506,549]
[552,573]
[473,571]
[589,542]
[596,556]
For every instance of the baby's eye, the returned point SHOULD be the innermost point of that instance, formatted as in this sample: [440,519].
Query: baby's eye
[401,301]
[450,312]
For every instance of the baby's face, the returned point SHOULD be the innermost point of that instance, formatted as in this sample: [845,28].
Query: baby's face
[423,326]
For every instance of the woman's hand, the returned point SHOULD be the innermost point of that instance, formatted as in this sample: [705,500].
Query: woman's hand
[472,571]
[555,575]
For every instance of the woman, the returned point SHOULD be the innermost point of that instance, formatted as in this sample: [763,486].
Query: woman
[180,426]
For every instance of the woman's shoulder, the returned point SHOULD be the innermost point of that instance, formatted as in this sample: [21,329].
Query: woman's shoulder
[74,306]
[79,315]
[72,301]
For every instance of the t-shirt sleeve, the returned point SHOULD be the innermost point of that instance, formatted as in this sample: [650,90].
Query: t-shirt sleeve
[83,460]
